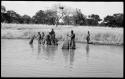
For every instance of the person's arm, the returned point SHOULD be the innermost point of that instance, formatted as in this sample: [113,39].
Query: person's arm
[34,36]
[68,35]
[72,35]
[88,35]
[37,36]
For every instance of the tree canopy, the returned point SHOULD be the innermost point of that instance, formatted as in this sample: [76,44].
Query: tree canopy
[69,16]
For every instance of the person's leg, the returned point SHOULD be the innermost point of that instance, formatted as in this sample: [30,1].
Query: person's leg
[87,40]
[74,45]
[43,41]
[49,41]
[54,41]
[70,44]
[39,41]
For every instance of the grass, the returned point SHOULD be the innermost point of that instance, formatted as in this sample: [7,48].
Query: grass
[104,35]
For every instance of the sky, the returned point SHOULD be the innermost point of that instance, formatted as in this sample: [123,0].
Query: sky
[31,7]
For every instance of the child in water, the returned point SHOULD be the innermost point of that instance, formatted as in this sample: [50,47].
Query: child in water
[88,37]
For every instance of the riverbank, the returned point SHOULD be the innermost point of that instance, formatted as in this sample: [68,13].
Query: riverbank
[98,35]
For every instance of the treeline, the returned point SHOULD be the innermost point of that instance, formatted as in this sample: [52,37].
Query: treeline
[51,17]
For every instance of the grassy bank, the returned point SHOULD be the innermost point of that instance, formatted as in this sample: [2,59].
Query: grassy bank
[100,35]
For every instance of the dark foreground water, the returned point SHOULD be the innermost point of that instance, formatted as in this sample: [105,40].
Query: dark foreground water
[19,59]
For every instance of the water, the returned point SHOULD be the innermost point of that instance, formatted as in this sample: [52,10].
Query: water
[19,59]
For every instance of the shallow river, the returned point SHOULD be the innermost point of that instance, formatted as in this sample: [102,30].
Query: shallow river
[19,59]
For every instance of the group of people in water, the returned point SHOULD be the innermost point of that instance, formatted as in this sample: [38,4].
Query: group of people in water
[45,39]
[50,39]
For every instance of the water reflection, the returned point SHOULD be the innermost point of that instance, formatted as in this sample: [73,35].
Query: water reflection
[32,47]
[49,52]
[87,51]
[69,56]
[33,67]
[39,49]
[66,54]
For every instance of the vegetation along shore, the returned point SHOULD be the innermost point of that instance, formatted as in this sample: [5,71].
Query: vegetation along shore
[98,35]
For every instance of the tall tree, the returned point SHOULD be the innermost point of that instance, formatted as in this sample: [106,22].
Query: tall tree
[69,20]
[116,20]
[13,17]
[93,19]
[26,19]
[51,16]
[79,18]
[119,19]
[39,17]
[3,13]
[3,9]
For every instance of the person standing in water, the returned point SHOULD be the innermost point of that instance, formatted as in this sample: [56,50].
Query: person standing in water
[32,39]
[48,39]
[39,38]
[88,37]
[52,34]
[72,39]
[72,42]
[43,38]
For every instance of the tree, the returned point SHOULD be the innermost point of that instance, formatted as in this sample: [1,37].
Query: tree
[69,20]
[3,9]
[79,18]
[39,17]
[13,17]
[109,20]
[26,19]
[116,20]
[3,13]
[93,19]
[51,16]
[45,17]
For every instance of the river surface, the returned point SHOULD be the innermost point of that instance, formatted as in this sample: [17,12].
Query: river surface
[19,59]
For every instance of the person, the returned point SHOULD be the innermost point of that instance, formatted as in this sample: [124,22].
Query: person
[52,31]
[72,42]
[32,39]
[43,38]
[48,39]
[52,36]
[88,37]
[39,38]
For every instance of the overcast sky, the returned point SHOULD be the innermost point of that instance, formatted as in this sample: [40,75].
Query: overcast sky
[87,8]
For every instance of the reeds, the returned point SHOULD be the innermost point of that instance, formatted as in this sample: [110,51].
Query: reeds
[98,34]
